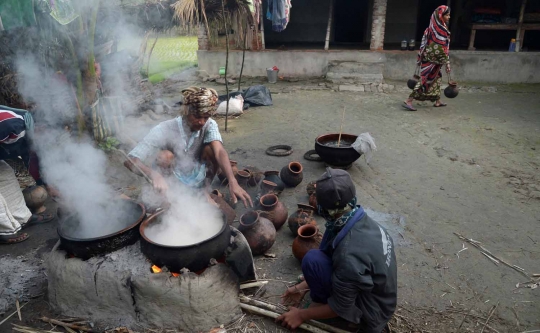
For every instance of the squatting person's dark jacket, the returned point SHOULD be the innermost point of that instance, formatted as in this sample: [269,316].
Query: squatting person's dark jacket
[364,278]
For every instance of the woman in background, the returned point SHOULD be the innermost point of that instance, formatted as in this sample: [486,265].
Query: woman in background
[433,54]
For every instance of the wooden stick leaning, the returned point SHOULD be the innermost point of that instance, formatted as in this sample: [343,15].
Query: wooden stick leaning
[280,309]
[135,164]
[65,325]
[14,313]
[341,128]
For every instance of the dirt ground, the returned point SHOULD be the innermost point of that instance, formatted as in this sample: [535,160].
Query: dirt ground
[469,168]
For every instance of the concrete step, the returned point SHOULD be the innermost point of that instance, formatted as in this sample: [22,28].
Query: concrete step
[354,77]
[355,67]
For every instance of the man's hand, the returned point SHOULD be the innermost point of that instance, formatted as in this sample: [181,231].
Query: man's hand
[238,192]
[160,185]
[291,319]
[294,294]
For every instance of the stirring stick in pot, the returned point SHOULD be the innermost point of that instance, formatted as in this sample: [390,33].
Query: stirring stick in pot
[135,164]
[341,128]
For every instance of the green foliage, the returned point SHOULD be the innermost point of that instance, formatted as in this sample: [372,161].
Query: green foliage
[109,144]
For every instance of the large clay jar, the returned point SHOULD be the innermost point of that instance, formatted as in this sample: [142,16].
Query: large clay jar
[273,176]
[221,175]
[259,232]
[452,90]
[303,216]
[274,210]
[225,197]
[308,238]
[226,209]
[292,174]
[35,197]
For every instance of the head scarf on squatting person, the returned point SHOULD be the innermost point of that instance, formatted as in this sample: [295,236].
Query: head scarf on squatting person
[437,32]
[333,223]
[200,100]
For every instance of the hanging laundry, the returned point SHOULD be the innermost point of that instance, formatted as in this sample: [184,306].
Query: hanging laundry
[16,14]
[279,12]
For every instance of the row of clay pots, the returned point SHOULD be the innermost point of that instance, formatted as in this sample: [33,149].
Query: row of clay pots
[250,175]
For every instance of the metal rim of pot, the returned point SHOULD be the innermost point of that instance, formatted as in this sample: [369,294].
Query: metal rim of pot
[153,217]
[131,226]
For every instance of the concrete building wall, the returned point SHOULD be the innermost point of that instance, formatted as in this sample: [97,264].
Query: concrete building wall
[378,24]
[482,67]
[401,20]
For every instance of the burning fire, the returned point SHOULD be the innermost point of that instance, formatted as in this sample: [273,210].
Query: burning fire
[156,269]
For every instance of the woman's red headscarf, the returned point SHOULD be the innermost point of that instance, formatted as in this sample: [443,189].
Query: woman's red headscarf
[437,32]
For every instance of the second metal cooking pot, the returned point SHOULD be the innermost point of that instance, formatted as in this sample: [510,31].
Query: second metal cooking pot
[193,257]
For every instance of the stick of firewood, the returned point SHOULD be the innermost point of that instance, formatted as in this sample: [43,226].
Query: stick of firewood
[11,315]
[60,323]
[341,128]
[281,309]
[263,312]
[253,284]
[489,317]
[18,309]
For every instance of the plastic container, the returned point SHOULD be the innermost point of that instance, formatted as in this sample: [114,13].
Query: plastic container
[222,71]
[412,45]
[272,75]
[404,45]
[512,47]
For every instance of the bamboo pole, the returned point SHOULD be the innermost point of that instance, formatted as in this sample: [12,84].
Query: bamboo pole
[341,127]
[203,9]
[226,62]
[329,27]
[263,312]
[262,28]
[519,42]
[243,59]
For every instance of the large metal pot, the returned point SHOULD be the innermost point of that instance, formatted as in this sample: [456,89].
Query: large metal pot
[341,157]
[193,257]
[86,248]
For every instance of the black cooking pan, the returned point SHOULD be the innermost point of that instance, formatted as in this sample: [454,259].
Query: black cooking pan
[85,248]
[193,257]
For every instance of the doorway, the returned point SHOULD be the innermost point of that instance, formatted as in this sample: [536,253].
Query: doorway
[350,21]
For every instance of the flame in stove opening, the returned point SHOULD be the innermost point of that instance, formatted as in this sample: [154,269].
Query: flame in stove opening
[156,269]
[175,274]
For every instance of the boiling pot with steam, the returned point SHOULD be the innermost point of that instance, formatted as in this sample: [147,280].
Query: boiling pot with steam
[194,257]
[74,242]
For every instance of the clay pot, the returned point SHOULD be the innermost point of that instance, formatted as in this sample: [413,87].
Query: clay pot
[274,210]
[452,90]
[313,201]
[221,175]
[311,188]
[273,176]
[225,197]
[308,238]
[411,83]
[226,209]
[268,187]
[303,216]
[256,175]
[242,176]
[259,232]
[35,197]
[292,174]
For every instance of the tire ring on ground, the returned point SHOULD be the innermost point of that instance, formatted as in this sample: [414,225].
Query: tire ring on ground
[309,155]
[272,150]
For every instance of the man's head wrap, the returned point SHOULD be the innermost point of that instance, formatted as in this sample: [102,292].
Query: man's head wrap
[200,100]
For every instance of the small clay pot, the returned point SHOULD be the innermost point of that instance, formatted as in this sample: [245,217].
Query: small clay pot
[452,90]
[292,174]
[411,83]
[221,175]
[35,197]
[268,187]
[302,216]
[274,210]
[308,238]
[273,176]
[256,175]
[311,188]
[313,201]
[225,197]
[259,232]
[226,209]
[242,176]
